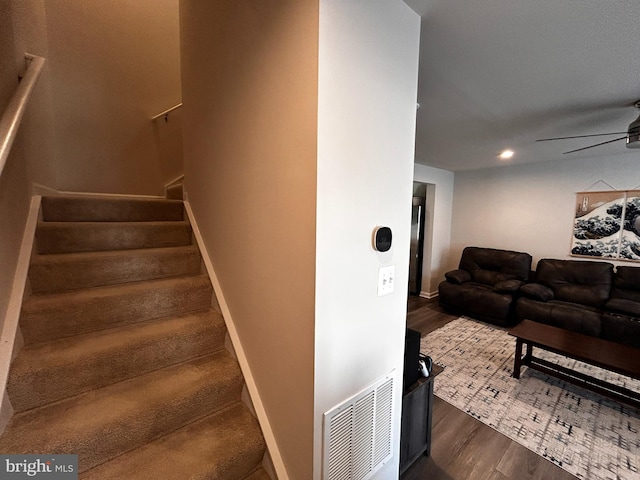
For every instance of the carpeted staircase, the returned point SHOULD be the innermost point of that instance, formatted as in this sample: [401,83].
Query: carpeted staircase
[124,361]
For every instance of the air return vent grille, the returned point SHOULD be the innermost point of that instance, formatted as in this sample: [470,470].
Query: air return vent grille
[358,433]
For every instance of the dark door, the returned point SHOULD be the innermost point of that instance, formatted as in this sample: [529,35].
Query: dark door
[417,245]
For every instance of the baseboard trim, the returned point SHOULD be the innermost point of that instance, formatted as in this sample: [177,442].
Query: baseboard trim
[10,337]
[176,181]
[428,295]
[267,431]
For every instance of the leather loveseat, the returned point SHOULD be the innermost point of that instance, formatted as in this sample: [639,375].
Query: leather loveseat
[486,284]
[585,297]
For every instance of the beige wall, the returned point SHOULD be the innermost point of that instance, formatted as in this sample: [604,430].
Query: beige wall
[30,35]
[110,66]
[113,64]
[8,77]
[249,74]
[14,199]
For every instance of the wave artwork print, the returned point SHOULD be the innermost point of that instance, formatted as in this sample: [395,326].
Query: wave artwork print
[607,225]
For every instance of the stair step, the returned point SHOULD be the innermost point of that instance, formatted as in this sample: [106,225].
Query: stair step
[225,445]
[259,474]
[48,372]
[71,237]
[70,271]
[102,424]
[50,317]
[175,192]
[99,209]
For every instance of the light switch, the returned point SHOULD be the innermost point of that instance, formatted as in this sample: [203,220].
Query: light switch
[386,278]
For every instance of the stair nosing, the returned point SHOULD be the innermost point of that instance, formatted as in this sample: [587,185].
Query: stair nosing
[137,301]
[216,317]
[87,338]
[99,272]
[50,258]
[92,291]
[88,208]
[94,223]
[220,351]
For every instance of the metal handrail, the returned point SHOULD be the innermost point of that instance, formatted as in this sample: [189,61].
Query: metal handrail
[166,113]
[10,121]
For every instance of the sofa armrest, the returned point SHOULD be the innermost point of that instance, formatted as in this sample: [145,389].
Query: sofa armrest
[507,286]
[537,291]
[458,276]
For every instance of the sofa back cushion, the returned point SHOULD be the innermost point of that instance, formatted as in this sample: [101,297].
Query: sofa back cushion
[489,266]
[586,283]
[626,284]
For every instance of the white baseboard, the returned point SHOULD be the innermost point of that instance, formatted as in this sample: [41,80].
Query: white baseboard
[10,339]
[176,181]
[6,412]
[429,295]
[236,345]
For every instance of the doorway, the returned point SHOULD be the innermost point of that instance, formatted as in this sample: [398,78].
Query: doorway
[421,247]
[416,247]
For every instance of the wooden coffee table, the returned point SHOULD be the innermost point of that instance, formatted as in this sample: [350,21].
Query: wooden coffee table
[594,351]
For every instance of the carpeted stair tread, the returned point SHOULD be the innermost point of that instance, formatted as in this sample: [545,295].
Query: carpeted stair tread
[47,372]
[49,317]
[224,446]
[175,192]
[259,474]
[70,237]
[70,271]
[101,424]
[100,209]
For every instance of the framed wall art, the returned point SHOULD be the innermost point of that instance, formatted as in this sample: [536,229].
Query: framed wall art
[607,225]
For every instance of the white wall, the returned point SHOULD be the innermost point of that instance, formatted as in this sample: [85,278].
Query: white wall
[530,207]
[440,190]
[368,66]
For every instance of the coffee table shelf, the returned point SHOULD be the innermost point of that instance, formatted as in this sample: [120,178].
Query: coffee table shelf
[601,353]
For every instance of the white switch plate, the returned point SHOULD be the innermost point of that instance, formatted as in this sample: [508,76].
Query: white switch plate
[386,278]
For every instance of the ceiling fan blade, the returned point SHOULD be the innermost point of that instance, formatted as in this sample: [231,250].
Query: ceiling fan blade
[581,136]
[596,145]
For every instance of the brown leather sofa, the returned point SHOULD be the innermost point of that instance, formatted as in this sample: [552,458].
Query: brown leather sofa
[585,297]
[486,284]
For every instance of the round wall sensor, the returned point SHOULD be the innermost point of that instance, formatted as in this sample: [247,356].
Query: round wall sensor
[382,239]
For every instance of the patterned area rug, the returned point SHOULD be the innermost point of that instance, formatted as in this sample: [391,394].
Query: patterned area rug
[584,433]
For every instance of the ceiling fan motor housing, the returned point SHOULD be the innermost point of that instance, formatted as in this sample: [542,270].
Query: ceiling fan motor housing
[633,133]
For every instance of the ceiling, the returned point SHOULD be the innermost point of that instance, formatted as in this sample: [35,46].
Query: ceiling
[498,74]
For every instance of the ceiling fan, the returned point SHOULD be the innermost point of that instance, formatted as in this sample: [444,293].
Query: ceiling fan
[632,135]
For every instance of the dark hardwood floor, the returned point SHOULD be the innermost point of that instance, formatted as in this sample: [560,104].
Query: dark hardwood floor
[464,448]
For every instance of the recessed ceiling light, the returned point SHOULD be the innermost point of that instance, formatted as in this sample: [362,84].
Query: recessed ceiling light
[506,154]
